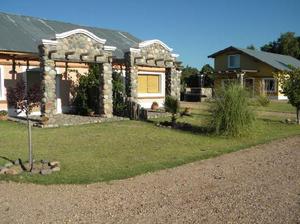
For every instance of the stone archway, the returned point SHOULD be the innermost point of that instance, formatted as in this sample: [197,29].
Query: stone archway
[152,54]
[79,46]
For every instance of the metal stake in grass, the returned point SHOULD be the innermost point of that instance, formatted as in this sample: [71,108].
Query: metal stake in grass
[29,139]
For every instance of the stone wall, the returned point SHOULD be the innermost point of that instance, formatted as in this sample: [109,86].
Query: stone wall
[131,77]
[106,101]
[153,55]
[78,48]
[48,102]
[175,82]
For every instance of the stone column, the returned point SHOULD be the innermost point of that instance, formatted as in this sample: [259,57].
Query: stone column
[173,82]
[106,91]
[131,78]
[48,75]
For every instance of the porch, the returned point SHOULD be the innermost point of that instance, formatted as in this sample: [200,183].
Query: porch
[254,83]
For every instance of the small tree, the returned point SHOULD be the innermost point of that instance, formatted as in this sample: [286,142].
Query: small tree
[290,83]
[172,106]
[231,114]
[25,101]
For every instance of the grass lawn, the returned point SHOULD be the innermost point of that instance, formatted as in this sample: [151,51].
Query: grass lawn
[278,106]
[108,151]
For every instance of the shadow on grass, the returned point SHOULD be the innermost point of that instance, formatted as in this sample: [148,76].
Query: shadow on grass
[183,126]
[19,162]
[277,121]
[7,159]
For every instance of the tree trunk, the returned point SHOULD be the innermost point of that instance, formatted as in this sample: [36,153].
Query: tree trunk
[29,143]
[298,115]
[173,120]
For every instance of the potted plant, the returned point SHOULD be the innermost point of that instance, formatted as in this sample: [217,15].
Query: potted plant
[154,106]
[3,115]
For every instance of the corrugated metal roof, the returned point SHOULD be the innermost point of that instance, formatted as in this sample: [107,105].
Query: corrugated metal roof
[22,33]
[278,61]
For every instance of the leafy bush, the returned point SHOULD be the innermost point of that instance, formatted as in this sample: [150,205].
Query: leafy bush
[231,114]
[172,106]
[263,100]
[87,99]
[3,113]
[119,104]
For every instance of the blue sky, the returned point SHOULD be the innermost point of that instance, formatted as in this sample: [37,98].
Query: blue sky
[193,28]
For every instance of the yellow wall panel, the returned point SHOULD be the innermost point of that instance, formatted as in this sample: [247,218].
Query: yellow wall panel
[142,83]
[153,84]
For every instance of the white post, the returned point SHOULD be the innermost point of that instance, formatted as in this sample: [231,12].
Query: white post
[58,94]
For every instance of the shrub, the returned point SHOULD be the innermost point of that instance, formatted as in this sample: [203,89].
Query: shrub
[87,97]
[231,114]
[119,103]
[3,113]
[263,100]
[172,106]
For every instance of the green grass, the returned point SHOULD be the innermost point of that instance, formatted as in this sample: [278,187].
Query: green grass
[109,151]
[278,106]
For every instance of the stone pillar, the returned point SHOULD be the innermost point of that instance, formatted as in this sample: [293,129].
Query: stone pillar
[106,90]
[48,75]
[131,78]
[173,82]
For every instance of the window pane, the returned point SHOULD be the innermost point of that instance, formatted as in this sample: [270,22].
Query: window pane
[269,85]
[234,61]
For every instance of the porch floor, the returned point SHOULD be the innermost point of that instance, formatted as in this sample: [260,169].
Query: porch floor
[59,120]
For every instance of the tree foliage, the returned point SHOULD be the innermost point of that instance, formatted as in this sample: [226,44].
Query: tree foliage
[119,104]
[251,47]
[23,99]
[207,69]
[208,75]
[188,71]
[290,83]
[87,96]
[288,44]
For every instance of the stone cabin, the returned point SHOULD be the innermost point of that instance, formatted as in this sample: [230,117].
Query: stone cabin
[54,54]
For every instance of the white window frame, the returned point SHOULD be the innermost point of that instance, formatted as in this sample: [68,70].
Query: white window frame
[238,63]
[2,95]
[264,85]
[161,92]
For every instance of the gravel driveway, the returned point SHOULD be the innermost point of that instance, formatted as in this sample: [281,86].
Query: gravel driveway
[257,185]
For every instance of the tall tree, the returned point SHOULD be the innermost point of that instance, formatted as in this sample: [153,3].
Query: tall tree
[251,47]
[187,71]
[206,69]
[287,44]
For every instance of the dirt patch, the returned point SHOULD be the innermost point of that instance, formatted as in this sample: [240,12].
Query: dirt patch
[257,185]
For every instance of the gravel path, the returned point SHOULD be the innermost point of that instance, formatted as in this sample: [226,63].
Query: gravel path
[257,185]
